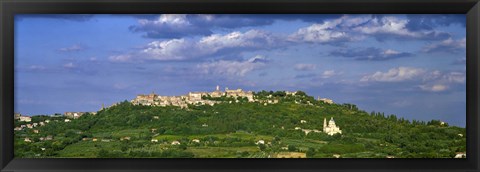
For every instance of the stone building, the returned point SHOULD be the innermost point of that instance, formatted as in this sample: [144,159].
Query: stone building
[331,128]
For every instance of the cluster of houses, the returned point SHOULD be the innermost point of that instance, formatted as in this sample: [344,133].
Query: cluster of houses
[191,98]
[196,98]
[21,118]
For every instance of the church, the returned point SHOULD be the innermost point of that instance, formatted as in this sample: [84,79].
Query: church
[331,128]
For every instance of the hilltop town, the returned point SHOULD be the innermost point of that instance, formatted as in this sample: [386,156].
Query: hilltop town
[206,98]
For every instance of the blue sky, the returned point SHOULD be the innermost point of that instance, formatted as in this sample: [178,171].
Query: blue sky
[409,65]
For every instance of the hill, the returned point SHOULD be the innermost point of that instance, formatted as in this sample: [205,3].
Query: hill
[237,128]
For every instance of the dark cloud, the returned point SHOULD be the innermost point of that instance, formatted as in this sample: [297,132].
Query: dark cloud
[373,54]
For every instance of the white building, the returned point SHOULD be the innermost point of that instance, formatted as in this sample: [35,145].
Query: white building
[175,143]
[154,141]
[325,100]
[196,140]
[303,121]
[331,128]
[25,118]
[260,142]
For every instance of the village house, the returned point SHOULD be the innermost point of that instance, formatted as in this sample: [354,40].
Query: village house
[25,119]
[298,128]
[94,139]
[49,137]
[196,141]
[331,128]
[175,142]
[154,141]
[36,131]
[260,142]
[27,139]
[67,120]
[303,121]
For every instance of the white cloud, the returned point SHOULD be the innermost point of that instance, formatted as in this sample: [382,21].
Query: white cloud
[305,67]
[37,67]
[174,49]
[432,81]
[69,65]
[390,25]
[73,48]
[329,74]
[186,49]
[434,87]
[169,26]
[395,75]
[448,45]
[252,39]
[320,33]
[121,58]
[232,68]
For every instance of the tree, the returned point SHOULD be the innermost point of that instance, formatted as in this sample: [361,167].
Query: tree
[262,147]
[310,152]
[292,148]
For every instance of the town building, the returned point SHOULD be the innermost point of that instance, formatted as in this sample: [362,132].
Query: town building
[74,115]
[331,128]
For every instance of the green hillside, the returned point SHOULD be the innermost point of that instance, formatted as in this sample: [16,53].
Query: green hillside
[232,129]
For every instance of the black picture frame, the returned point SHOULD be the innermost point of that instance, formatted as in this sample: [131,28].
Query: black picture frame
[9,8]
